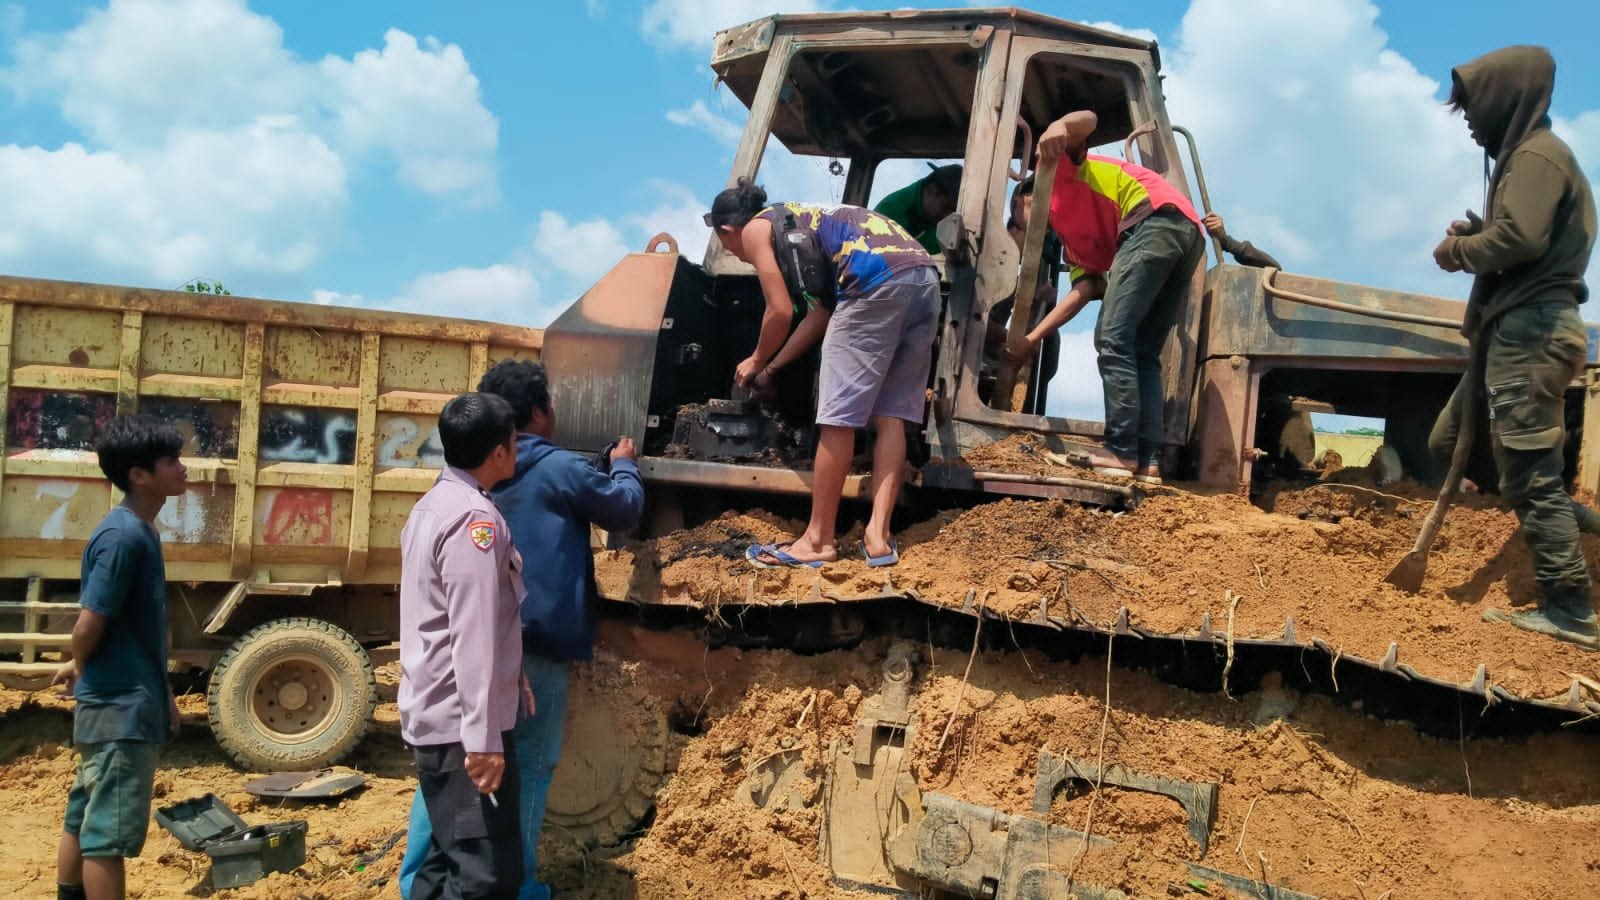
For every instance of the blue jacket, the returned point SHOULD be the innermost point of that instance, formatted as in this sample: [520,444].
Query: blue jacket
[549,505]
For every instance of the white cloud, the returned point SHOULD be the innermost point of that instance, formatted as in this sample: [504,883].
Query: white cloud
[580,250]
[503,292]
[691,24]
[209,147]
[1583,134]
[421,104]
[323,297]
[1347,166]
[254,199]
[679,213]
[1143,34]
[700,117]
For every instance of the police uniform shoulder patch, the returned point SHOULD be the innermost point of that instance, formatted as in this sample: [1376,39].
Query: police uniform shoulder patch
[481,532]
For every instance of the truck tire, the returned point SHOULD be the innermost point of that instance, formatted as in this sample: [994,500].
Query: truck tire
[613,757]
[291,695]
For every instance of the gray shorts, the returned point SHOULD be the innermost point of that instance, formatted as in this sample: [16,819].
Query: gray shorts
[877,352]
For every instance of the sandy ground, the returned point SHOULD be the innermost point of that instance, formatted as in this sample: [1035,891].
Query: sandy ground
[1321,799]
[1315,796]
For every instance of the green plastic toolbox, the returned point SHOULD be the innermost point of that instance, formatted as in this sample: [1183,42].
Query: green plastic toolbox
[240,853]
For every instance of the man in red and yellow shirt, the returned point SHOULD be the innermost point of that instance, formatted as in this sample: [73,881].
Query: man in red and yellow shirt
[1133,241]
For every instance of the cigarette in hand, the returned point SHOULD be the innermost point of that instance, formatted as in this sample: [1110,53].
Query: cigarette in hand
[492,801]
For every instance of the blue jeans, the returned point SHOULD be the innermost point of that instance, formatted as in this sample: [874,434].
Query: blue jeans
[537,745]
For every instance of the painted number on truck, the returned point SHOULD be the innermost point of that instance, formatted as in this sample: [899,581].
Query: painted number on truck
[403,446]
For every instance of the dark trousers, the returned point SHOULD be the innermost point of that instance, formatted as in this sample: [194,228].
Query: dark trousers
[1531,354]
[1144,291]
[476,848]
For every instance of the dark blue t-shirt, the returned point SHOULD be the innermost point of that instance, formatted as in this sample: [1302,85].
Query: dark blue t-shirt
[122,694]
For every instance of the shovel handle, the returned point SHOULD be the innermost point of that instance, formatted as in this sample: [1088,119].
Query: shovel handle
[1467,427]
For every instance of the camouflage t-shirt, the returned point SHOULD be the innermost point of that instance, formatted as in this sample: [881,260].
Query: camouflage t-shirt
[867,248]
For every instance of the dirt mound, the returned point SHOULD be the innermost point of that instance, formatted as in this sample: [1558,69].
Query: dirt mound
[1316,553]
[1324,801]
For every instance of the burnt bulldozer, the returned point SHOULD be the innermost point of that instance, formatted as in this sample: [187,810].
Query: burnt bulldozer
[881,833]
[650,350]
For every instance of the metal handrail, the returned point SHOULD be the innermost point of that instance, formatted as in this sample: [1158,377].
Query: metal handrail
[1391,315]
[1200,181]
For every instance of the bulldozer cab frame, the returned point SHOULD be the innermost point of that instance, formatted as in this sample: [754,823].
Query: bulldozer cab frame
[974,86]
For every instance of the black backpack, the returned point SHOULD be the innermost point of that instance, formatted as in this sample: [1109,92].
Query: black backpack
[807,271]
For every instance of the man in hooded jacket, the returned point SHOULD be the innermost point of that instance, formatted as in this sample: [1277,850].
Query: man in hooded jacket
[1528,253]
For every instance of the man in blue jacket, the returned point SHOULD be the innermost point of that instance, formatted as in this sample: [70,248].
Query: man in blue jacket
[549,505]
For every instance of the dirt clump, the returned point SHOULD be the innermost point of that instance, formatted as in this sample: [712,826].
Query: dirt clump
[1314,552]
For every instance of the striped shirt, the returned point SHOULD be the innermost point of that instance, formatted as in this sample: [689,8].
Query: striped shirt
[867,248]
[1093,205]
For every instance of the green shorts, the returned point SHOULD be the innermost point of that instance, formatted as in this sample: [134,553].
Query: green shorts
[108,807]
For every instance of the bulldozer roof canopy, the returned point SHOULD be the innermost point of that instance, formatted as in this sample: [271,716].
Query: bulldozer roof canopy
[900,84]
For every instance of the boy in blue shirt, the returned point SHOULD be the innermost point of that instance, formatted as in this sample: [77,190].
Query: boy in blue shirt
[125,708]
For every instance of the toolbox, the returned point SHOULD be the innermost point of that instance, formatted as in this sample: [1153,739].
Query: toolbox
[240,853]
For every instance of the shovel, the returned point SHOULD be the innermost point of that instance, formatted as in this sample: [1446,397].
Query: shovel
[1408,573]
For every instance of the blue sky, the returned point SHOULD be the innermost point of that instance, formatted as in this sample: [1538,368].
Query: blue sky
[497,156]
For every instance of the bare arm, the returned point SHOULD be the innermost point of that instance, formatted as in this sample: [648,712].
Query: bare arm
[1068,134]
[1084,290]
[809,331]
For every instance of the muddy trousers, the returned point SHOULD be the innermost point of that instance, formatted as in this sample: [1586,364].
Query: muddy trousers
[1531,353]
[1144,291]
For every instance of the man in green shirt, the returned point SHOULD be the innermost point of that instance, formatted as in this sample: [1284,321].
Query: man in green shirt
[919,206]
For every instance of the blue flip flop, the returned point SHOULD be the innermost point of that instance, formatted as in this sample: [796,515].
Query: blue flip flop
[754,552]
[878,562]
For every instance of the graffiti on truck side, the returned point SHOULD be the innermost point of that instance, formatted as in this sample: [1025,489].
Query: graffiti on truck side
[57,497]
[209,428]
[292,434]
[297,516]
[401,444]
[296,434]
[51,420]
[200,515]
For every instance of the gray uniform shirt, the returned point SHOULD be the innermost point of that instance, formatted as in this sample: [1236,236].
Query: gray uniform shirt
[460,627]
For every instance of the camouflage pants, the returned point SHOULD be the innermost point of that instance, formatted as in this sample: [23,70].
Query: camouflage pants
[1531,354]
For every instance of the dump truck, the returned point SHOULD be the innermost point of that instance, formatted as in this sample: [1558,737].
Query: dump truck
[311,430]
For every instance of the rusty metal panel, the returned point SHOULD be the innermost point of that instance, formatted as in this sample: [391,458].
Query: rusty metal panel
[313,356]
[175,345]
[600,352]
[66,337]
[1242,320]
[415,364]
[1226,423]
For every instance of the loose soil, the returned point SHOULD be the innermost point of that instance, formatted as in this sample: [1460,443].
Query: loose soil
[1315,552]
[1338,805]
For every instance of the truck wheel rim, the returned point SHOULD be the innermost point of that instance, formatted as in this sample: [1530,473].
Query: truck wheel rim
[294,699]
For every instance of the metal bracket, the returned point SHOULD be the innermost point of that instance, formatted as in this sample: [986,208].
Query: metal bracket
[887,714]
[231,601]
[1198,798]
[977,851]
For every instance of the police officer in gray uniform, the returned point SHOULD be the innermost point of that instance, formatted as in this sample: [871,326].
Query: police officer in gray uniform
[461,685]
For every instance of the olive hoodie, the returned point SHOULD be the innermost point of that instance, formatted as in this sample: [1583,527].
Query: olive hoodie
[1539,218]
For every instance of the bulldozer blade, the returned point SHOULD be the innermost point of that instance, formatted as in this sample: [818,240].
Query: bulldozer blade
[1408,573]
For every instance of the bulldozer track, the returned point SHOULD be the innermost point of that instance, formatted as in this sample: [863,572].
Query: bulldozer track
[1386,688]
